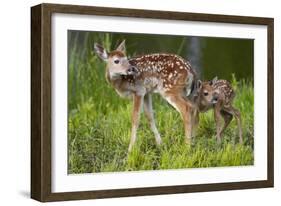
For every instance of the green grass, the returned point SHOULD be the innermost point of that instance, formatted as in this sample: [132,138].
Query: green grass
[99,127]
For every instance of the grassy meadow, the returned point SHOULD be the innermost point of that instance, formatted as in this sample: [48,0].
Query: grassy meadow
[99,124]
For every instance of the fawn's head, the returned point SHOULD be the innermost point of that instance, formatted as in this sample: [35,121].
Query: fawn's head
[207,94]
[117,62]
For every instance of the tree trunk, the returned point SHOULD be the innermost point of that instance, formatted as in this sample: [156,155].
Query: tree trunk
[194,54]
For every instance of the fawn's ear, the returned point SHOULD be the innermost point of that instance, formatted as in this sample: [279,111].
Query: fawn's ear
[213,81]
[101,52]
[122,47]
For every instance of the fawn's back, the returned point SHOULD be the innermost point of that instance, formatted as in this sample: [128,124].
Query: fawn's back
[225,90]
[162,73]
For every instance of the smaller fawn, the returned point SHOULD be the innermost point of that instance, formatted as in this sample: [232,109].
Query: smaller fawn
[218,94]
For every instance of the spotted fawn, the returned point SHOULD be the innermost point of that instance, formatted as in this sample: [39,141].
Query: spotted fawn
[219,95]
[167,74]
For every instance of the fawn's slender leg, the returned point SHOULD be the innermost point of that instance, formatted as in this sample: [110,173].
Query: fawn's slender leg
[150,117]
[185,109]
[237,116]
[137,101]
[219,122]
[195,118]
[227,119]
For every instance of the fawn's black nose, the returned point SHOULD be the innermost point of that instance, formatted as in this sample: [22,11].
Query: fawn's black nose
[215,98]
[132,70]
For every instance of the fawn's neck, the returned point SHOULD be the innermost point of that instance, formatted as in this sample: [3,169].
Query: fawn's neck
[114,81]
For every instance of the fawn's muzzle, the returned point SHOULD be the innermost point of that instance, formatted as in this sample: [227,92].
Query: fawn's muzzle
[215,98]
[132,70]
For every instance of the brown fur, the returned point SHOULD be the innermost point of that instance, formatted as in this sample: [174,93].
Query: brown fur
[219,95]
[167,74]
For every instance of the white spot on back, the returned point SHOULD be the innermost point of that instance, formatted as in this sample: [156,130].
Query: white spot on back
[170,75]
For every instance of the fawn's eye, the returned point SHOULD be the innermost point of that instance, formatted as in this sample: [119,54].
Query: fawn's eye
[116,61]
[206,93]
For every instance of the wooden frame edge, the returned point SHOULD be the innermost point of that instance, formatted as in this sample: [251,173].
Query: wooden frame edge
[270,100]
[40,103]
[101,194]
[36,58]
[157,14]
